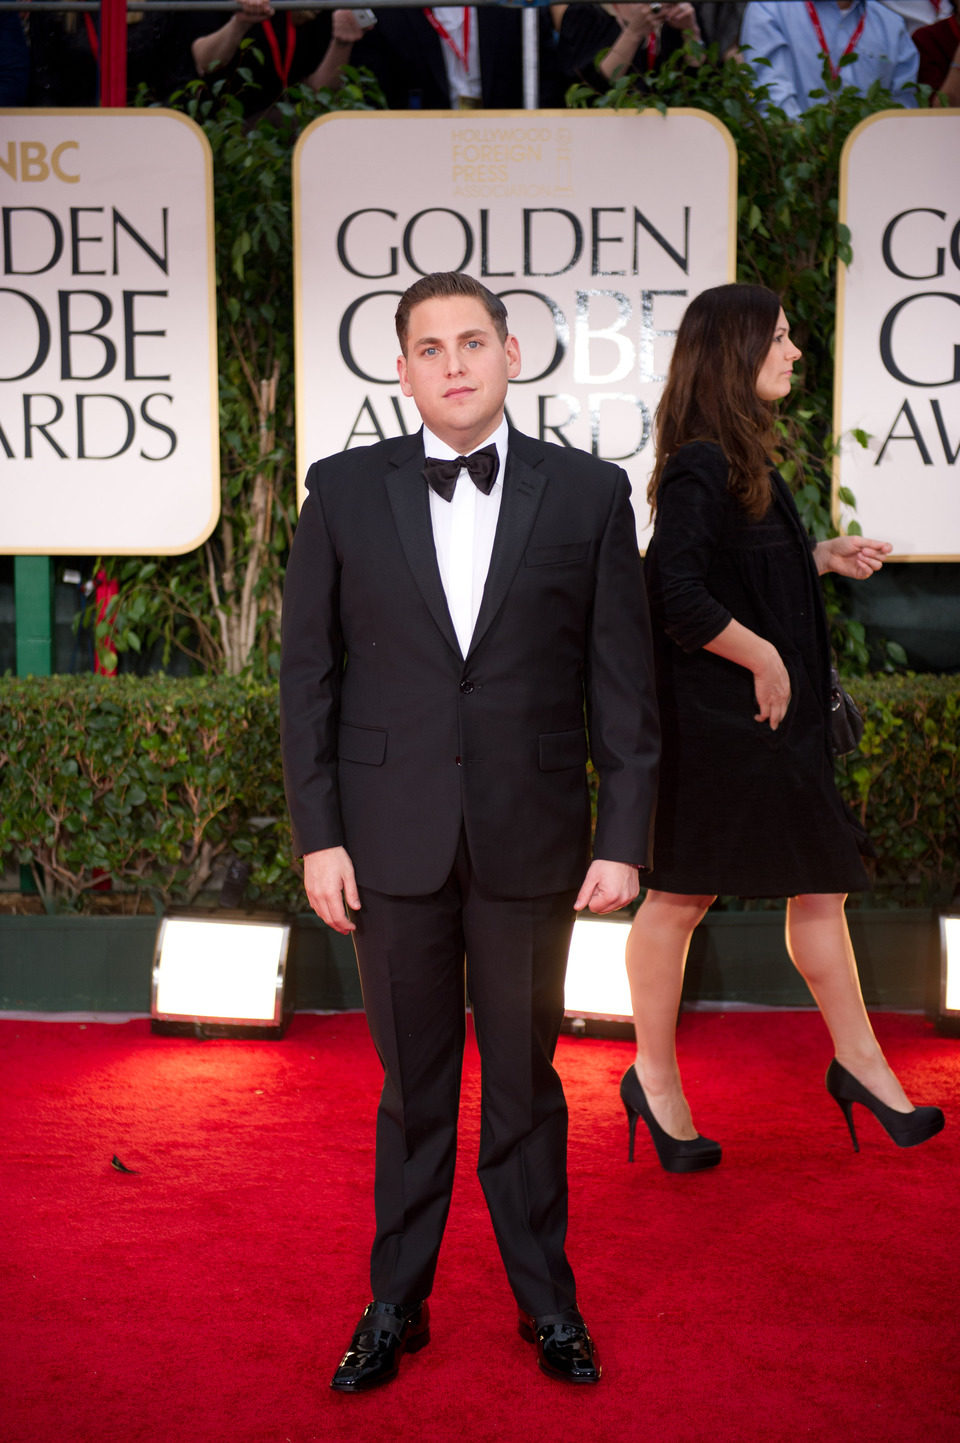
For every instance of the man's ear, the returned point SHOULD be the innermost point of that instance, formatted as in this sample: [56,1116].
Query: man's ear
[405,386]
[512,347]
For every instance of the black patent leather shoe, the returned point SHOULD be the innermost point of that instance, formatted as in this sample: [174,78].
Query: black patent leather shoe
[565,1348]
[384,1333]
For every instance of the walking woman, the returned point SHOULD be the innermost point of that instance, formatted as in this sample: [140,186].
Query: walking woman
[748,805]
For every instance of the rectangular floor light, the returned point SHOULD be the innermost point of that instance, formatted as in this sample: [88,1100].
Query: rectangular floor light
[597,993]
[948,1020]
[219,977]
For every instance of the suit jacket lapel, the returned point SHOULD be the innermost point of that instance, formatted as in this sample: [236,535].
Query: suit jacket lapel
[410,503]
[523,486]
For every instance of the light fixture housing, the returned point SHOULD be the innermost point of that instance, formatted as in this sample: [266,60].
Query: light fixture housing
[220,975]
[597,992]
[948,1017]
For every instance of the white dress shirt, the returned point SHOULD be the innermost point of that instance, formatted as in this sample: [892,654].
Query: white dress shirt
[463,532]
[463,80]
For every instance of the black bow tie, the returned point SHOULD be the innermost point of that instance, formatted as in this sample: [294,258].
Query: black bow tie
[482,465]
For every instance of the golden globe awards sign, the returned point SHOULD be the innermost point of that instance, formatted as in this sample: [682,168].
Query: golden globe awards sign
[595,228]
[108,370]
[898,333]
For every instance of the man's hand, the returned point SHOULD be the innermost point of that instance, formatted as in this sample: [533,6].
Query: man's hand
[329,881]
[681,17]
[607,887]
[640,20]
[253,11]
[855,556]
[346,29]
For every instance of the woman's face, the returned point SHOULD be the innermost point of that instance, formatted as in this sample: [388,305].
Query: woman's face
[773,378]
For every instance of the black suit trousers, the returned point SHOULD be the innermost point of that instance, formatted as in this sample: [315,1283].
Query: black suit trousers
[414,955]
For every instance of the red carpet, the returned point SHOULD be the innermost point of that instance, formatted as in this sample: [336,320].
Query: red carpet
[798,1291]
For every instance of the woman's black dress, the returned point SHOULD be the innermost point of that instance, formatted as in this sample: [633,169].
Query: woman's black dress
[743,810]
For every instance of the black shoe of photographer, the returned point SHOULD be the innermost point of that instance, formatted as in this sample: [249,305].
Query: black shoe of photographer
[384,1333]
[565,1348]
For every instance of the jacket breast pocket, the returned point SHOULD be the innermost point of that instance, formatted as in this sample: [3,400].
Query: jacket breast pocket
[559,750]
[564,555]
[361,744]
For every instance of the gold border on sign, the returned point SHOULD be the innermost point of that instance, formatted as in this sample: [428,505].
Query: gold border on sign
[845,154]
[212,362]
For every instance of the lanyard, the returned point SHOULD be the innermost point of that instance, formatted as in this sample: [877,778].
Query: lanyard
[283,66]
[447,39]
[851,43]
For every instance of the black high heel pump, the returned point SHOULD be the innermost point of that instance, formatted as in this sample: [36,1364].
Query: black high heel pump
[906,1128]
[676,1154]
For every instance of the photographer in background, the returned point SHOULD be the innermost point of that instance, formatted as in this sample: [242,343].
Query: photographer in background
[939,49]
[14,61]
[635,38]
[454,57]
[65,57]
[299,47]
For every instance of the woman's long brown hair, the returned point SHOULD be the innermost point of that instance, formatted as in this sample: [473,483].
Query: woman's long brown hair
[710,395]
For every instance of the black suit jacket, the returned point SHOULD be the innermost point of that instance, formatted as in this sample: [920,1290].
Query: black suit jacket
[393,740]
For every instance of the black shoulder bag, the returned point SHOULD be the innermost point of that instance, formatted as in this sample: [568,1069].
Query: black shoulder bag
[846,722]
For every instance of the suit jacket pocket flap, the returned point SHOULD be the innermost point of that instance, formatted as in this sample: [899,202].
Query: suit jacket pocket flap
[557,555]
[362,744]
[562,749]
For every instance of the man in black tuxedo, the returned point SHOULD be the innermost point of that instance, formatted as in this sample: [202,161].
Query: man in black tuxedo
[447,650]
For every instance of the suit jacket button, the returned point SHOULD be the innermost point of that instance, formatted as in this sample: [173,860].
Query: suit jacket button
[466,687]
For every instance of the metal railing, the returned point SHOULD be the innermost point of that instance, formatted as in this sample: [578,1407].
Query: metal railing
[113,63]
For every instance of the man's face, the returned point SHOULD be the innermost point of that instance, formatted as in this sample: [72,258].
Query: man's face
[456,369]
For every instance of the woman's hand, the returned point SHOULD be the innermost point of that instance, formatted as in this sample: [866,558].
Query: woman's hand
[771,682]
[855,556]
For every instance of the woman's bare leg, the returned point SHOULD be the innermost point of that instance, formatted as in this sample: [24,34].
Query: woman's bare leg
[819,945]
[656,957]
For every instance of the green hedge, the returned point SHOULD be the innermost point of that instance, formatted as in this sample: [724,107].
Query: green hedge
[151,781]
[156,781]
[904,783]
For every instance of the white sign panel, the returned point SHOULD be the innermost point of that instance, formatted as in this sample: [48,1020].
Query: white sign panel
[595,228]
[108,364]
[898,333]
